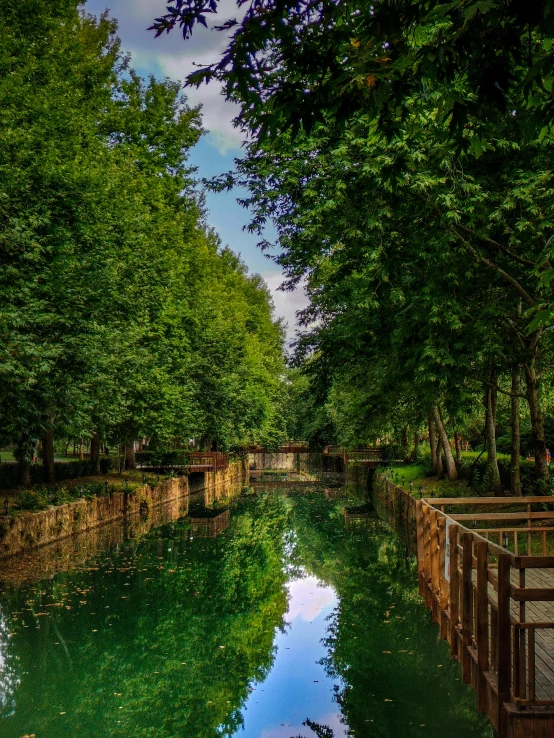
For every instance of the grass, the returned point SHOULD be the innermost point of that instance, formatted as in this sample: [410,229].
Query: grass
[432,487]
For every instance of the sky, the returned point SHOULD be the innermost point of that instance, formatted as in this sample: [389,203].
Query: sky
[170,56]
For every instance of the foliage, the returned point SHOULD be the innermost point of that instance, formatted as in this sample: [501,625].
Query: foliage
[121,313]
[292,65]
[64,471]
[403,152]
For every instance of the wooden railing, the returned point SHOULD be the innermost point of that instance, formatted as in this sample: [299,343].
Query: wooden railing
[289,447]
[494,606]
[373,454]
[368,454]
[213,459]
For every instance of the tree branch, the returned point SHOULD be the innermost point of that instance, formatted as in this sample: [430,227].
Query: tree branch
[501,247]
[507,277]
[505,392]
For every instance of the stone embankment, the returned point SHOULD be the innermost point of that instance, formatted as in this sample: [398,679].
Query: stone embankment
[295,462]
[397,507]
[28,531]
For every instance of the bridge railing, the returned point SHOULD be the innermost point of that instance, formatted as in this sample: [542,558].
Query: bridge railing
[214,459]
[368,454]
[289,447]
[374,453]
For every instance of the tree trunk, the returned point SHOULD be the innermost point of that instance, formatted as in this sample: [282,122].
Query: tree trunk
[440,465]
[537,423]
[95,452]
[458,447]
[24,472]
[515,475]
[404,443]
[416,446]
[48,456]
[433,444]
[130,460]
[22,453]
[489,401]
[451,470]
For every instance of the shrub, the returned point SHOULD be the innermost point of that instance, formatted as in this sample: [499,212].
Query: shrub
[393,452]
[32,500]
[162,458]
[474,470]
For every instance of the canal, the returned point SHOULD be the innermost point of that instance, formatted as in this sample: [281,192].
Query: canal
[285,624]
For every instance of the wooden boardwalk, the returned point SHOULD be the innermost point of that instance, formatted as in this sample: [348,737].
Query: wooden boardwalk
[495,606]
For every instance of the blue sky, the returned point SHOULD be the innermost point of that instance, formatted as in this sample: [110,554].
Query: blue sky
[170,56]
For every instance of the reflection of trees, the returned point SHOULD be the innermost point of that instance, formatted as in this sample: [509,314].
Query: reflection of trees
[177,654]
[377,654]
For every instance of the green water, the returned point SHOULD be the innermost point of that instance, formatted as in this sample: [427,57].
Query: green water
[284,617]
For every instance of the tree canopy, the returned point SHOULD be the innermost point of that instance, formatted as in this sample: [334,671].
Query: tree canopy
[403,151]
[122,315]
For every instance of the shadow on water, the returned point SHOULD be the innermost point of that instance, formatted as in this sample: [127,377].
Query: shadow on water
[288,622]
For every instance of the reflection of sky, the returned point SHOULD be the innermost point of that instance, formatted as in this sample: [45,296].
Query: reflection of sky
[297,686]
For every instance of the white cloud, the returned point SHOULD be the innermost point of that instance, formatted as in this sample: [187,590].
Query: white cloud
[217,113]
[170,55]
[287,304]
[307,599]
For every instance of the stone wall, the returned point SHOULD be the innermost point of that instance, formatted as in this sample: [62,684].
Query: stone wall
[28,531]
[397,507]
[296,462]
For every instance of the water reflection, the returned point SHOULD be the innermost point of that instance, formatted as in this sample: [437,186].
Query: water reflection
[283,617]
[298,684]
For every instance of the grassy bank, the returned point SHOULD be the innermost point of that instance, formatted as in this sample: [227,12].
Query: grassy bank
[432,486]
[45,495]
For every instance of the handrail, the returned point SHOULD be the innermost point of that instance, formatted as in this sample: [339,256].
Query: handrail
[491,500]
[474,587]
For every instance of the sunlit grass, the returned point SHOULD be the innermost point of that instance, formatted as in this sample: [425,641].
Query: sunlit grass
[432,487]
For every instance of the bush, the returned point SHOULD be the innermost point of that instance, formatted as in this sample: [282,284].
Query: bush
[423,458]
[393,452]
[42,497]
[474,470]
[162,458]
[64,471]
[32,500]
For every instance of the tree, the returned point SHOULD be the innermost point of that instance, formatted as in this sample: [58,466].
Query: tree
[293,65]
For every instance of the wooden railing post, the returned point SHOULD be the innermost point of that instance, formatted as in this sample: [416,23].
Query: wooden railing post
[504,643]
[454,588]
[467,605]
[434,546]
[427,549]
[420,547]
[442,583]
[482,621]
